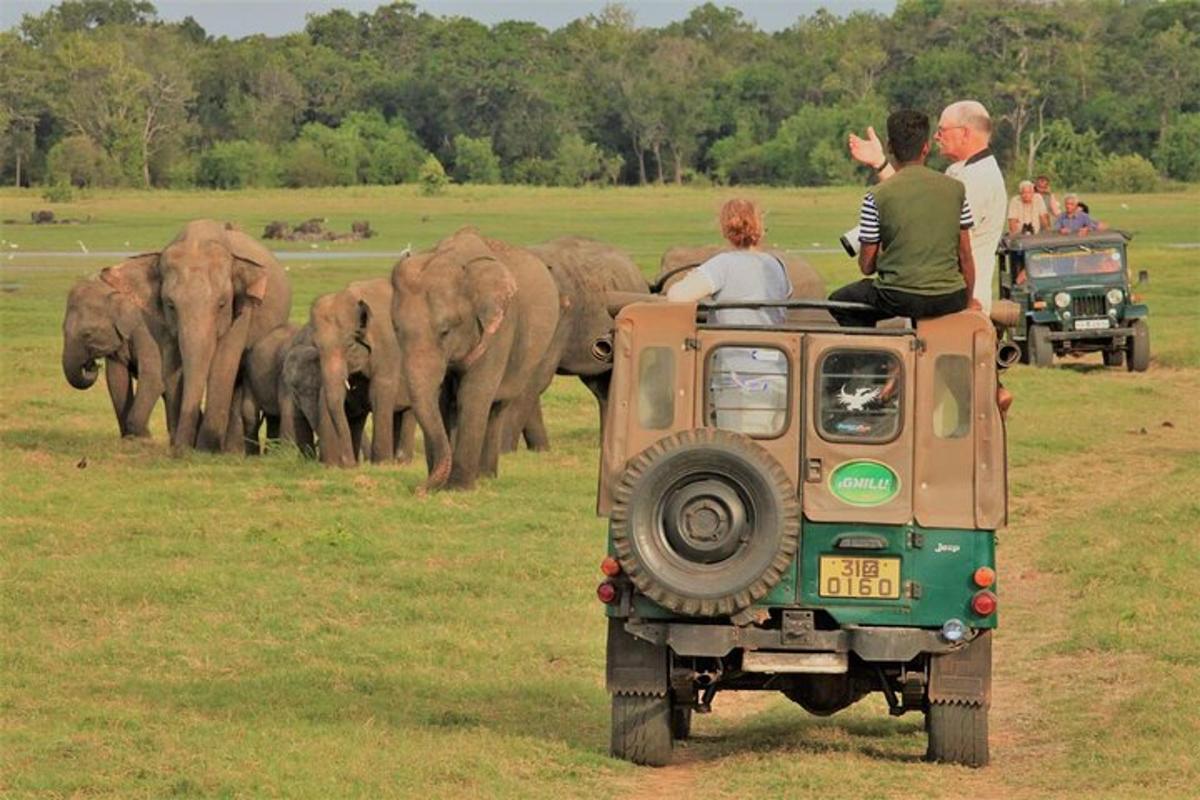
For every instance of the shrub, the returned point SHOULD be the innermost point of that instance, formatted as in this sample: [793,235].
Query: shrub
[475,161]
[305,165]
[576,161]
[395,158]
[1130,173]
[1178,154]
[1072,159]
[432,176]
[78,161]
[534,171]
[235,165]
[58,193]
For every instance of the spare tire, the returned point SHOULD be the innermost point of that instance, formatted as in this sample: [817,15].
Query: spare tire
[705,522]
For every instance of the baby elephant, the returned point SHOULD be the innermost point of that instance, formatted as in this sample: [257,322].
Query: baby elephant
[116,316]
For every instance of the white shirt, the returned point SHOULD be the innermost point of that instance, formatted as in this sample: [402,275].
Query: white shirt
[988,199]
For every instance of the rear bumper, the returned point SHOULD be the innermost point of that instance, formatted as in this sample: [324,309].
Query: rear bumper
[868,643]
[1100,334]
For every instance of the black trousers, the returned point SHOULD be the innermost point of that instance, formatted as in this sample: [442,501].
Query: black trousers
[887,303]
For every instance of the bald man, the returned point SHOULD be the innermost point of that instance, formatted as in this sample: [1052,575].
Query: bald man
[963,133]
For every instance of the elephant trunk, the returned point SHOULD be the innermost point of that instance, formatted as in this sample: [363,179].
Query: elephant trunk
[424,375]
[196,348]
[340,448]
[78,365]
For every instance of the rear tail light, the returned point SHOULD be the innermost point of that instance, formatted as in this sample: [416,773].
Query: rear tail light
[984,577]
[984,603]
[607,592]
[610,567]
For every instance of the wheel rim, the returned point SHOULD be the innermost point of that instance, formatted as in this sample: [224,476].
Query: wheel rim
[705,521]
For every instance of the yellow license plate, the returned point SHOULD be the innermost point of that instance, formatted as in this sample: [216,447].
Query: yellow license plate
[843,576]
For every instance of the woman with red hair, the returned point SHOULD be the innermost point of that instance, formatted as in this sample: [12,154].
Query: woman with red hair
[748,384]
[745,274]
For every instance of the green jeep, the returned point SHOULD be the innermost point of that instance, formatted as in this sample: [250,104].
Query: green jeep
[806,509]
[1074,297]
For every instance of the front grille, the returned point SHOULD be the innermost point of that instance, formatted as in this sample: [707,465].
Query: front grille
[1087,305]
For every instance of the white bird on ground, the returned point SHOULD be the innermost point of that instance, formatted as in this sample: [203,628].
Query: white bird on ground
[82,246]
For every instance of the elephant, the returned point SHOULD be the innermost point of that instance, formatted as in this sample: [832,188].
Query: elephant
[221,293]
[354,336]
[116,316]
[588,275]
[266,396]
[473,318]
[807,284]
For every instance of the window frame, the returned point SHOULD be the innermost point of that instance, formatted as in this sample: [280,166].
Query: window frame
[706,373]
[818,393]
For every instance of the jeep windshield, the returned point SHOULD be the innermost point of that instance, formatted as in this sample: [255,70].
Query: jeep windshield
[1076,260]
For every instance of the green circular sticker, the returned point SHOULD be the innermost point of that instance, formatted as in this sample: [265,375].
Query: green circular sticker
[864,483]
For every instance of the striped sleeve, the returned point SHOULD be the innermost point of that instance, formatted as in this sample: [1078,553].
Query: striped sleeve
[965,220]
[868,220]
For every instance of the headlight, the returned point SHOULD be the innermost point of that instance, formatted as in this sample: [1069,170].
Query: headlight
[1115,296]
[1062,299]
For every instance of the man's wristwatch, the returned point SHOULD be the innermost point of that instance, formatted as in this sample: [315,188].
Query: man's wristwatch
[879,168]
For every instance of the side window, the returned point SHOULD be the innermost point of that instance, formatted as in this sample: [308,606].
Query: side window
[656,388]
[748,390]
[859,396]
[951,397]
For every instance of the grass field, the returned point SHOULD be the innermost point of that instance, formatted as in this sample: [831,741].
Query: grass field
[222,627]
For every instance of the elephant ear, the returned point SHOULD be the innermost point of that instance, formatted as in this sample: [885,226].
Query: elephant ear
[136,278]
[362,319]
[491,287]
[127,316]
[251,261]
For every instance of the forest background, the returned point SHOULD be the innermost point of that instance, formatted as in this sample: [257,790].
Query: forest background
[97,93]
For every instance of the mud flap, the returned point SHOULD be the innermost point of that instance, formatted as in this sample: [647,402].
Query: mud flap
[963,676]
[635,666]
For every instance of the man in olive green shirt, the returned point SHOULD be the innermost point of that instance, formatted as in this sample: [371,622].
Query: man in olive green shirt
[914,237]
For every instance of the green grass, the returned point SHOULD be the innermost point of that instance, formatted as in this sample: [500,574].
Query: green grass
[223,627]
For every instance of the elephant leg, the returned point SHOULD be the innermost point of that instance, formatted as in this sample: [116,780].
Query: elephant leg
[305,440]
[405,427]
[222,380]
[536,437]
[120,392]
[287,415]
[274,425]
[598,386]
[357,426]
[489,460]
[448,410]
[475,414]
[235,428]
[172,374]
[251,420]
[383,404]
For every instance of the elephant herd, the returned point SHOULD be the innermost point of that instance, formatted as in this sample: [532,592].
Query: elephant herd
[460,339]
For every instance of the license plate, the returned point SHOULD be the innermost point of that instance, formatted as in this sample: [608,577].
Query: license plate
[1091,324]
[843,576]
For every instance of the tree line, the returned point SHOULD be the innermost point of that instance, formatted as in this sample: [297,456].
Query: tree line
[102,93]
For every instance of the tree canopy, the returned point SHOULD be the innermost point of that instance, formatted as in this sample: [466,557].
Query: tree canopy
[102,92]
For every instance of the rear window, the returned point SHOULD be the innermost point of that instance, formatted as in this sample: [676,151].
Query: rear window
[858,398]
[656,388]
[748,390]
[951,397]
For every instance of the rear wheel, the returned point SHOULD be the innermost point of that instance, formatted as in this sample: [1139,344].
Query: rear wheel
[1040,348]
[1114,358]
[1137,347]
[642,728]
[958,734]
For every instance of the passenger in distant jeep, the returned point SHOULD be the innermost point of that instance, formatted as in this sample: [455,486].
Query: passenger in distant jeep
[914,232]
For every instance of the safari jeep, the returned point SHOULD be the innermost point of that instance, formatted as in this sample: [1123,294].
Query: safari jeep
[805,509]
[1075,297]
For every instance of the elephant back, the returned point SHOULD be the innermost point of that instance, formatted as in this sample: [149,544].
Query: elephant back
[601,267]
